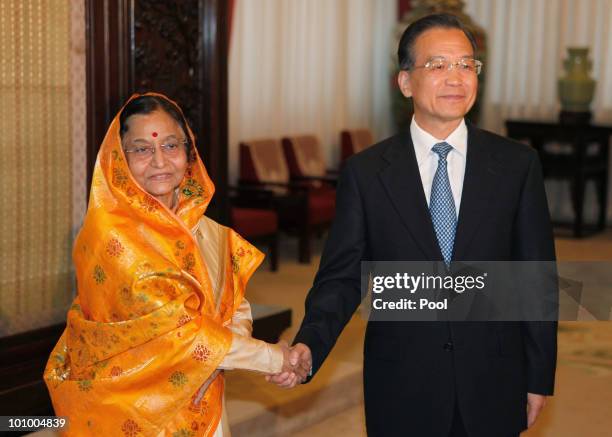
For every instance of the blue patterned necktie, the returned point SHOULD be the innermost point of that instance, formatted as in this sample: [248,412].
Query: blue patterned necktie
[442,204]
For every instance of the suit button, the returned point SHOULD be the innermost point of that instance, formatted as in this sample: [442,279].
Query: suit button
[448,346]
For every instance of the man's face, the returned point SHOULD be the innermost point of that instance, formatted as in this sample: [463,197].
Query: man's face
[443,97]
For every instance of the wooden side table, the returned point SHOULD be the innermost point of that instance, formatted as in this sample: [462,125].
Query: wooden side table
[582,156]
[270,321]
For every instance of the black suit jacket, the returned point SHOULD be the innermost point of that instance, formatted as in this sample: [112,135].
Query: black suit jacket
[414,372]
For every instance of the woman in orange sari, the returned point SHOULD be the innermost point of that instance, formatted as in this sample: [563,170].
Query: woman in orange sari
[160,310]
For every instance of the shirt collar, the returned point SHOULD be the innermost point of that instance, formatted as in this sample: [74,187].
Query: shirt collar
[423,141]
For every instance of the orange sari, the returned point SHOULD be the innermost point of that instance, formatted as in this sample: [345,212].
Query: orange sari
[145,331]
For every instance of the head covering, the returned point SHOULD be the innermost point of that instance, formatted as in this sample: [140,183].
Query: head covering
[144,332]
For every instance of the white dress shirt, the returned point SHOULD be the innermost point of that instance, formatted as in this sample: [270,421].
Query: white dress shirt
[427,160]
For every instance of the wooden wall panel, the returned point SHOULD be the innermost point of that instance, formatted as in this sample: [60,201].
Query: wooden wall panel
[176,48]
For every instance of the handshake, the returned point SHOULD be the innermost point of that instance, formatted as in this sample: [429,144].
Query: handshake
[297,364]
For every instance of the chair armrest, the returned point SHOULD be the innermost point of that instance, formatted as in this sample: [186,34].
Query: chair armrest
[327,179]
[251,197]
[292,205]
[291,186]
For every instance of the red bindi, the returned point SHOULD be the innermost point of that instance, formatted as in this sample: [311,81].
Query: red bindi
[154,134]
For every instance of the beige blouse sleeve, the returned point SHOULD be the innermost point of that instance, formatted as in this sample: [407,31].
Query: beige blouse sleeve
[247,352]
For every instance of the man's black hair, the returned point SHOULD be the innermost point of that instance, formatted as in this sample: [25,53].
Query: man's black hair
[405,51]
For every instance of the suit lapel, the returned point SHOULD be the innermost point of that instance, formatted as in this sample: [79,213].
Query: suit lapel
[478,187]
[402,181]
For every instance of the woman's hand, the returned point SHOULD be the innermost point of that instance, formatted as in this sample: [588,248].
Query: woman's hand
[296,366]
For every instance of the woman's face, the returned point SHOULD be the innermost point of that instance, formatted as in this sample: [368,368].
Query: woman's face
[161,172]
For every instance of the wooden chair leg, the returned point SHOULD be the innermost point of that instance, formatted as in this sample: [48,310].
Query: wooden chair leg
[578,186]
[274,252]
[304,245]
[602,194]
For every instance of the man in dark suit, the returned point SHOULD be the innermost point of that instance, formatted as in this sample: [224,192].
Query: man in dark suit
[445,191]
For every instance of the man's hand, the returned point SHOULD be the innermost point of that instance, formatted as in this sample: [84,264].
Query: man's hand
[296,367]
[301,358]
[289,366]
[535,403]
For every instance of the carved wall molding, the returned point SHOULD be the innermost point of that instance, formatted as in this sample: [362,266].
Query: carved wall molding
[176,48]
